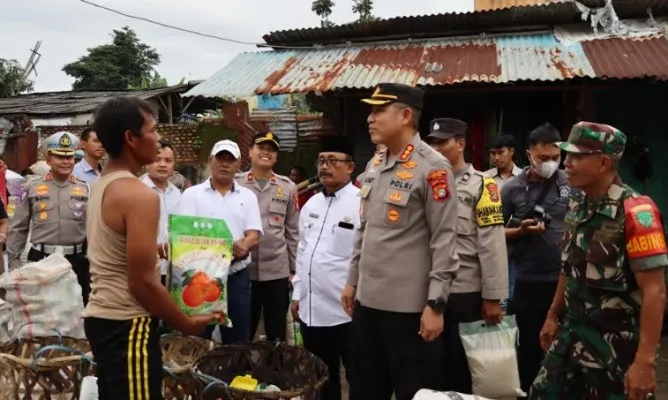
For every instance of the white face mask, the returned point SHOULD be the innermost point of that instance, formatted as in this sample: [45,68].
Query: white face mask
[545,169]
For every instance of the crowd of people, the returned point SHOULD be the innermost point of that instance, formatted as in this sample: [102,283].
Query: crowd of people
[378,271]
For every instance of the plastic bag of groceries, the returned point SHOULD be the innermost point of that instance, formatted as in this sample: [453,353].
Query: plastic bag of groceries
[201,254]
[492,357]
[45,299]
[428,394]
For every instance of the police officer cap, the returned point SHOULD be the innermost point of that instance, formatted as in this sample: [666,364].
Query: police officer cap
[387,93]
[267,137]
[337,144]
[445,128]
[62,144]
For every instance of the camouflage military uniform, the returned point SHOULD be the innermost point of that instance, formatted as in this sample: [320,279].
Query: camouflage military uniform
[605,243]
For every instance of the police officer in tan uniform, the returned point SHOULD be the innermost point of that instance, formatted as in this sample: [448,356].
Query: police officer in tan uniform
[273,261]
[404,258]
[482,279]
[55,207]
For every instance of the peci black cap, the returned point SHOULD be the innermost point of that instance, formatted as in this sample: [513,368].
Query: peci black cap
[267,137]
[337,144]
[445,128]
[386,93]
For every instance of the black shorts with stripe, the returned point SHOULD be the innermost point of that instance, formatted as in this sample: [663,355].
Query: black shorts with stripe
[128,358]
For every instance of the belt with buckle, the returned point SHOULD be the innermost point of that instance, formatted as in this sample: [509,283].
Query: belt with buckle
[64,250]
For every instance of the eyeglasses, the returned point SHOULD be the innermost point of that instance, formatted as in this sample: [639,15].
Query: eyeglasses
[331,162]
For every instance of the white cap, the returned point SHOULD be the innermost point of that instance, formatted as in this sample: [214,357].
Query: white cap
[228,146]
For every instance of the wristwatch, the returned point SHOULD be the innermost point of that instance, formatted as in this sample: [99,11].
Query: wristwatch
[437,305]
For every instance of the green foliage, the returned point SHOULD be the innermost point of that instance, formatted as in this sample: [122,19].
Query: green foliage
[323,9]
[301,103]
[208,134]
[124,63]
[364,10]
[154,81]
[11,79]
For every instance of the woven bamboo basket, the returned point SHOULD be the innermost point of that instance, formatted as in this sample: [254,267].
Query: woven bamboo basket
[294,370]
[44,368]
[179,354]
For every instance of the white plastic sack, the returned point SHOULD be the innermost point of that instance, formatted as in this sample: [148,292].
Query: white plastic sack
[428,394]
[492,357]
[88,388]
[5,322]
[45,297]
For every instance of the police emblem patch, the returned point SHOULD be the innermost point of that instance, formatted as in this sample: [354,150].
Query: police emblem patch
[564,191]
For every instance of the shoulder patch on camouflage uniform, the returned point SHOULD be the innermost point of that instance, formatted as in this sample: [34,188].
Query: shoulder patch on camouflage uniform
[643,228]
[488,211]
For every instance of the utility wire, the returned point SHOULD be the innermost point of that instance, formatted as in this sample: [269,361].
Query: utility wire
[224,39]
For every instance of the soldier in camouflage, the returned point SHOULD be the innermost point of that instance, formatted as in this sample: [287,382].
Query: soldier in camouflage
[611,293]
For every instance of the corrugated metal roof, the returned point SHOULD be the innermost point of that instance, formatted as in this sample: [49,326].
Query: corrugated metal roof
[70,103]
[484,5]
[282,122]
[502,59]
[448,24]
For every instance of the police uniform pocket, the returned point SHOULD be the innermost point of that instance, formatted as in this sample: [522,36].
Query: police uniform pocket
[78,208]
[277,212]
[465,222]
[396,208]
[42,211]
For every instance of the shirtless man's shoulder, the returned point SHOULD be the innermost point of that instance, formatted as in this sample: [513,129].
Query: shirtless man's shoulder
[127,196]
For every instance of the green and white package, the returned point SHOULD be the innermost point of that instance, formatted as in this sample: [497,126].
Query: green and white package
[201,254]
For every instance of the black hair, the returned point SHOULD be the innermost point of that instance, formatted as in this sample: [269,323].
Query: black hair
[116,116]
[300,169]
[501,141]
[165,144]
[85,134]
[544,134]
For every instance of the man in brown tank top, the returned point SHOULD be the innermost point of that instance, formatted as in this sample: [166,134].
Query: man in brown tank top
[127,299]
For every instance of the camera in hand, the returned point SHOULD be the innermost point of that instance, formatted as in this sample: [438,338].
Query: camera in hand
[537,214]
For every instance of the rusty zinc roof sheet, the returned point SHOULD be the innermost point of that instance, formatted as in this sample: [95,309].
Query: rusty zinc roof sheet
[500,59]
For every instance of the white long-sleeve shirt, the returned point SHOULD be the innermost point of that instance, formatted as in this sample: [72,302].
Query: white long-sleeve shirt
[327,229]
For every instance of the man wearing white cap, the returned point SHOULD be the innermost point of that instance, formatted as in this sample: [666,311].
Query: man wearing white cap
[55,205]
[222,198]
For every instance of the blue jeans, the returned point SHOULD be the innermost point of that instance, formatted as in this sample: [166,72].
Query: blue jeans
[238,309]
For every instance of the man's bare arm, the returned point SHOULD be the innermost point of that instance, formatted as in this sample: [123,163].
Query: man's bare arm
[140,208]
[251,239]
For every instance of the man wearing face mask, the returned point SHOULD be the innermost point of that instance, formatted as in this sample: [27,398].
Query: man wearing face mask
[534,205]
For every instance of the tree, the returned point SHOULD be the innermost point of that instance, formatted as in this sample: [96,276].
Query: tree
[323,9]
[12,81]
[124,63]
[154,81]
[364,10]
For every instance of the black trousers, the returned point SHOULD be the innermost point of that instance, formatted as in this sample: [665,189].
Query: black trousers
[390,356]
[80,265]
[531,302]
[332,345]
[462,307]
[128,358]
[271,299]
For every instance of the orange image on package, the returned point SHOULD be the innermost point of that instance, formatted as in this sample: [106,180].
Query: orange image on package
[644,229]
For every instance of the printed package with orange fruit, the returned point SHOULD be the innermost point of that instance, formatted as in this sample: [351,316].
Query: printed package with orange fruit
[201,253]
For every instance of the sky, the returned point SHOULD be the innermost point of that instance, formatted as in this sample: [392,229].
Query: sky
[68,27]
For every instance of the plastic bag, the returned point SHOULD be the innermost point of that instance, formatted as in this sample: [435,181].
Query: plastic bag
[201,254]
[88,388]
[492,357]
[45,298]
[428,394]
[5,323]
